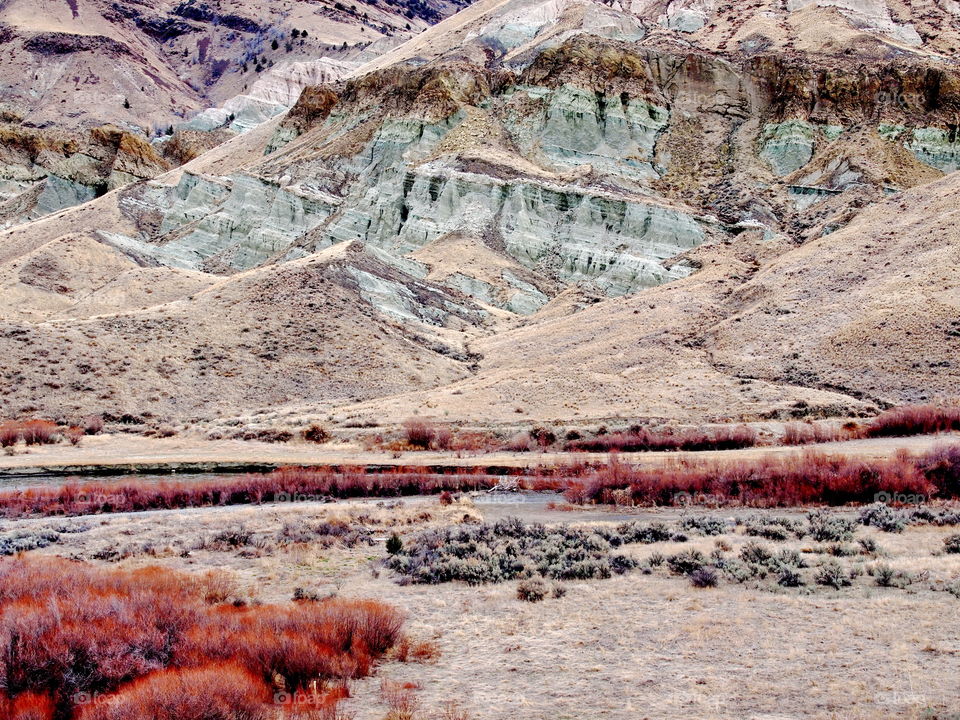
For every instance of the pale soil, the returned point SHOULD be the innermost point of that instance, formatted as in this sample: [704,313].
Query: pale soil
[166,81]
[844,323]
[629,647]
[863,29]
[122,449]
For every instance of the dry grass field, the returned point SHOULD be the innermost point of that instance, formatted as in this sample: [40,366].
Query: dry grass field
[573,360]
[643,644]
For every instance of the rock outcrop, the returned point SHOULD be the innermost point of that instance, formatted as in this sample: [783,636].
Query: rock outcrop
[548,204]
[151,71]
[42,171]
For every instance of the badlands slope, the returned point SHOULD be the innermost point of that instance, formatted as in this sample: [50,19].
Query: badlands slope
[533,211]
[74,63]
[95,95]
[865,316]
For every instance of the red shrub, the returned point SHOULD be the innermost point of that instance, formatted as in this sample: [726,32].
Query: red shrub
[70,631]
[9,434]
[418,433]
[443,438]
[39,432]
[775,481]
[282,485]
[211,692]
[914,420]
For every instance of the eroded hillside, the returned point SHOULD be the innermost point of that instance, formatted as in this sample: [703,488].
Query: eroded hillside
[486,185]
[177,77]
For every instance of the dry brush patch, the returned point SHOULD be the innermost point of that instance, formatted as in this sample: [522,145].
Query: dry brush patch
[804,479]
[914,420]
[290,484]
[640,439]
[87,643]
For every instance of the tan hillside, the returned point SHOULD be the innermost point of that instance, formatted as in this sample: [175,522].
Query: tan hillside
[869,314]
[533,211]
[251,341]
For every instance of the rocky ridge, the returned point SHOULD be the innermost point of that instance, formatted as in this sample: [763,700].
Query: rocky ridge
[151,70]
[486,185]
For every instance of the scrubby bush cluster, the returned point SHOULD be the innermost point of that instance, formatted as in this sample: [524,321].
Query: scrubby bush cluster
[824,527]
[639,439]
[756,560]
[704,524]
[532,590]
[638,532]
[808,478]
[291,484]
[18,541]
[149,644]
[267,435]
[771,527]
[886,576]
[883,517]
[704,577]
[914,420]
[832,574]
[507,550]
[686,562]
[928,516]
[315,434]
[324,533]
[293,532]
[951,544]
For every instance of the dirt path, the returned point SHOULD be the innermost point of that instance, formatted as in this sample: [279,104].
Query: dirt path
[130,453]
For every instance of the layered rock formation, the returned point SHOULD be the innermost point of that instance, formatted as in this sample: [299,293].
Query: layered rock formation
[485,195]
[149,70]
[574,167]
[43,171]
